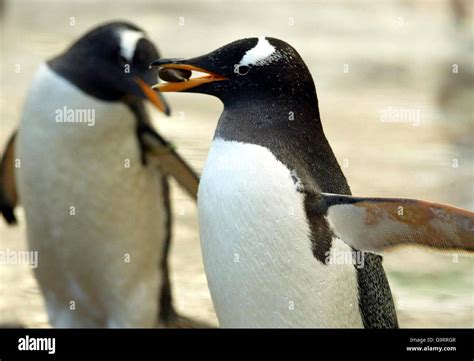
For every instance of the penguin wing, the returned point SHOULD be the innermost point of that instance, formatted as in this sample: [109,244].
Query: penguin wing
[169,161]
[173,165]
[8,193]
[379,224]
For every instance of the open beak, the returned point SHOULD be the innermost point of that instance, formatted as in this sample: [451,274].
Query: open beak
[154,97]
[181,76]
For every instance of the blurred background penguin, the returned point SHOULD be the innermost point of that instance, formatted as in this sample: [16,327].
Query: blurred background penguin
[97,208]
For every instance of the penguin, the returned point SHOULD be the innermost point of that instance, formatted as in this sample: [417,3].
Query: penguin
[276,214]
[92,175]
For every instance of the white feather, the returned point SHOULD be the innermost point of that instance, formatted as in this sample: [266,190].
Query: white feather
[256,247]
[128,42]
[260,54]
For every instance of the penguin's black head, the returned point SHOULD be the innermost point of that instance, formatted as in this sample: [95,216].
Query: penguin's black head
[244,69]
[111,62]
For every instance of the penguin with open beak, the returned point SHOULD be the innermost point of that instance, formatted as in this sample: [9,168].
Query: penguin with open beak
[275,211]
[92,175]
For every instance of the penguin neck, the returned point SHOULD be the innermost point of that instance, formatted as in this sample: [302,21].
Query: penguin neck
[290,128]
[250,117]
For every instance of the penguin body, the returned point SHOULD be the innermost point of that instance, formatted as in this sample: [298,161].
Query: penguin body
[97,224]
[284,243]
[261,232]
[96,204]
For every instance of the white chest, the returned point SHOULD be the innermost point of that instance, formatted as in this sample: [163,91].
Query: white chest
[90,205]
[93,167]
[256,249]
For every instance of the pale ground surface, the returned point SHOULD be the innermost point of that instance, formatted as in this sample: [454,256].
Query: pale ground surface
[398,55]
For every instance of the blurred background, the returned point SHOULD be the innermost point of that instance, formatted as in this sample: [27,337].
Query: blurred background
[395,85]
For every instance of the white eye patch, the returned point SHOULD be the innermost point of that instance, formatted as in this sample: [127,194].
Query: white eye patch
[128,42]
[263,53]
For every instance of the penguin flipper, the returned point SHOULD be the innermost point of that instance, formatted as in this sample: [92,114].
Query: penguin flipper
[173,165]
[8,192]
[379,224]
[169,161]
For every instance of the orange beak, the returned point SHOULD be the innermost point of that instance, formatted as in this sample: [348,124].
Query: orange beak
[152,96]
[209,77]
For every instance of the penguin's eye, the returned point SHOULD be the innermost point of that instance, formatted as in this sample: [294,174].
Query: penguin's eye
[241,69]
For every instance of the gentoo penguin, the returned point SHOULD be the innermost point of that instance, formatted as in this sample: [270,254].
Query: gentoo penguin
[92,175]
[275,212]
